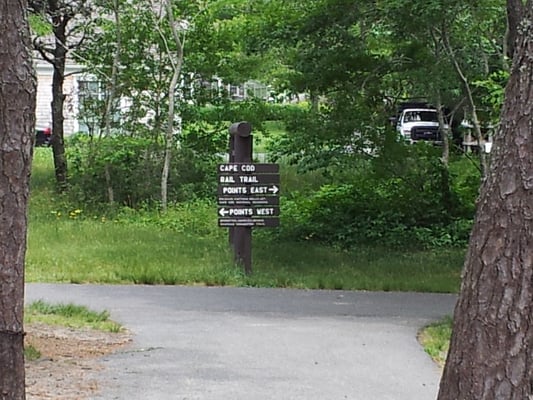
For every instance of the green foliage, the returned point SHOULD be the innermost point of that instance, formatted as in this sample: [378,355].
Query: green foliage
[132,166]
[466,178]
[353,61]
[135,55]
[411,204]
[493,88]
[191,218]
[222,112]
[39,25]
[339,134]
[184,245]
[360,59]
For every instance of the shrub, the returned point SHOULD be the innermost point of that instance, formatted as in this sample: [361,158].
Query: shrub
[413,204]
[132,168]
[194,218]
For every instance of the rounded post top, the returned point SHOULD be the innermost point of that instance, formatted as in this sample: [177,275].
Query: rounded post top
[242,129]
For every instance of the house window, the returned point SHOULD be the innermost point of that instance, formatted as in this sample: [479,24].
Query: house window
[91,98]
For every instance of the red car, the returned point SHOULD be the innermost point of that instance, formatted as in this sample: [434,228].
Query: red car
[42,137]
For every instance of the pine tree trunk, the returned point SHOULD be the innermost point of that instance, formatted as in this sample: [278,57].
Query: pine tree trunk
[17,124]
[491,351]
[12,378]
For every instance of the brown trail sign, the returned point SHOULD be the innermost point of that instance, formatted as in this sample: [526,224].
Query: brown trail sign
[248,194]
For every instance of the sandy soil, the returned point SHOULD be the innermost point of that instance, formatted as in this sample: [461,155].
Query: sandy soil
[70,360]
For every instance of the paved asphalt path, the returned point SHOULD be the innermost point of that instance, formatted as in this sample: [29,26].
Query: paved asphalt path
[210,343]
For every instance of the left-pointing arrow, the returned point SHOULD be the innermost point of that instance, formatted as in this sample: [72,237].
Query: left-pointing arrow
[223,212]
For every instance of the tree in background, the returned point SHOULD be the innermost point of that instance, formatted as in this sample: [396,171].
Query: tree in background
[491,349]
[178,30]
[69,24]
[137,54]
[360,58]
[441,48]
[336,53]
[17,107]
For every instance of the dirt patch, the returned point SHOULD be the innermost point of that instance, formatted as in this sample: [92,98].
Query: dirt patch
[70,359]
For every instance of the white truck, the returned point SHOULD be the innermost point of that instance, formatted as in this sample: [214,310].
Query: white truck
[417,122]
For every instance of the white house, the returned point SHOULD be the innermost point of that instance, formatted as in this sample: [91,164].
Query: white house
[44,72]
[78,85]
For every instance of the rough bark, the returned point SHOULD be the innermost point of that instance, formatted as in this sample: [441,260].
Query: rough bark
[515,11]
[60,14]
[491,351]
[58,101]
[17,123]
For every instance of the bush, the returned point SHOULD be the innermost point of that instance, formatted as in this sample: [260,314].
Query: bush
[465,177]
[192,218]
[413,204]
[132,168]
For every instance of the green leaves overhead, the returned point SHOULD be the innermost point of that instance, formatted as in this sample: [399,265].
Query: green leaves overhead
[357,59]
[353,59]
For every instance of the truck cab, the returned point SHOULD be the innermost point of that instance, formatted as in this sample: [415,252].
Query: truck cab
[415,124]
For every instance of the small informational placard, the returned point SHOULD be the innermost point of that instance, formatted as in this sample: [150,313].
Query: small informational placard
[248,195]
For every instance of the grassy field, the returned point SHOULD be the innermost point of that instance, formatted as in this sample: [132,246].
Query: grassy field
[185,246]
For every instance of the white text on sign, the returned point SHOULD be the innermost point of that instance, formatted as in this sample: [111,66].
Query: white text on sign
[240,178]
[236,168]
[250,189]
[248,212]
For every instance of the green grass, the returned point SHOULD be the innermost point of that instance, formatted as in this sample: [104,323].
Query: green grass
[82,251]
[185,246]
[69,315]
[435,339]
[112,252]
[306,265]
[31,353]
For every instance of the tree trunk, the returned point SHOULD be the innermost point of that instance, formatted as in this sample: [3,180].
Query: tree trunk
[491,351]
[169,140]
[17,107]
[473,109]
[111,94]
[176,63]
[58,101]
[444,129]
